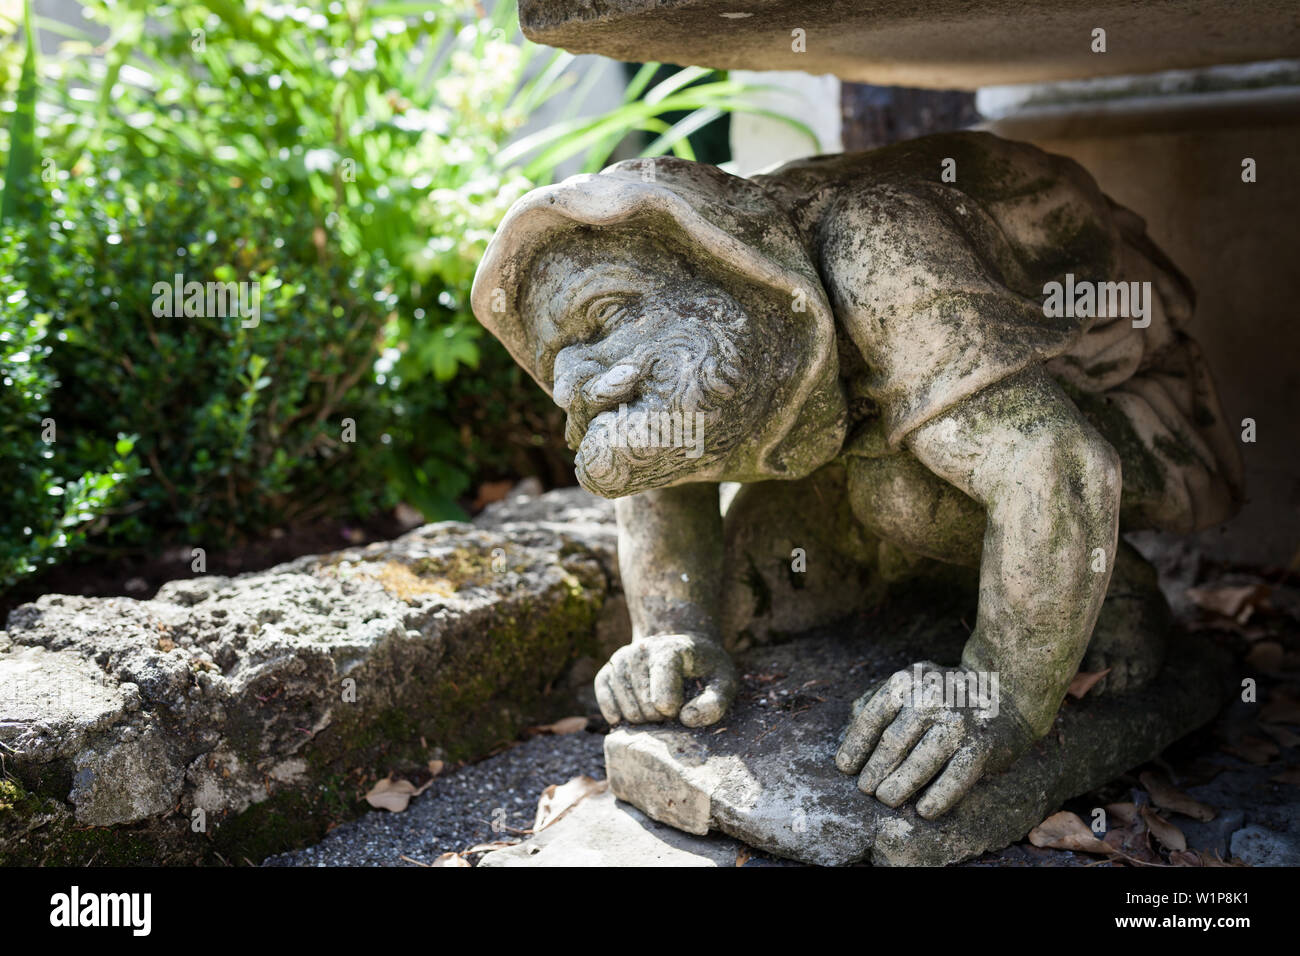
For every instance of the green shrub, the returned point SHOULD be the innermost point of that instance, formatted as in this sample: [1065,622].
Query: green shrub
[242,416]
[48,504]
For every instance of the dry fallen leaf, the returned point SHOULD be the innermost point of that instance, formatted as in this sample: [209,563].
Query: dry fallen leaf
[407,516]
[1132,843]
[557,800]
[491,491]
[1281,710]
[1185,858]
[1170,837]
[436,767]
[1265,657]
[1125,812]
[394,795]
[1168,797]
[1084,681]
[1290,775]
[489,847]
[1254,750]
[450,859]
[1213,859]
[1067,831]
[1238,602]
[569,725]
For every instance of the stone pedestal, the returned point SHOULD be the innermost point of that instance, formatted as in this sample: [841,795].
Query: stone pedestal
[766,775]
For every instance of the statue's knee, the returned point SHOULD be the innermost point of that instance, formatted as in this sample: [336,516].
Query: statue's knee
[898,499]
[1076,462]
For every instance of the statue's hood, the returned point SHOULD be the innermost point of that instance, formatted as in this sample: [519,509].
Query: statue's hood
[720,222]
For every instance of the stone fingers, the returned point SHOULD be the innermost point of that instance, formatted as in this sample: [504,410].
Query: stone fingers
[926,759]
[627,704]
[711,703]
[865,729]
[644,681]
[623,682]
[641,683]
[605,695]
[708,706]
[896,742]
[965,768]
[666,682]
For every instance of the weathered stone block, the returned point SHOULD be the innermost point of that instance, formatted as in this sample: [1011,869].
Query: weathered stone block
[238,716]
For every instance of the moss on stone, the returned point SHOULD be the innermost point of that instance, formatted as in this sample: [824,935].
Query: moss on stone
[290,818]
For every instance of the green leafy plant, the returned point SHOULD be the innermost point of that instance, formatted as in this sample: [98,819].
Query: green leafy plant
[243,415]
[49,505]
[395,130]
[20,190]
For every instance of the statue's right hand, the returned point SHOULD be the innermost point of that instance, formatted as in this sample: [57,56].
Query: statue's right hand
[645,681]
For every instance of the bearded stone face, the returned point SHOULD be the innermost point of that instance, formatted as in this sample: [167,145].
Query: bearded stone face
[655,367]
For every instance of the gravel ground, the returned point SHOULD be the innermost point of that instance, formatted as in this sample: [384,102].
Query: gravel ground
[457,811]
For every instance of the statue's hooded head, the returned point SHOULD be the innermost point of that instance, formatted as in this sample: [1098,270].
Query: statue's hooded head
[670,309]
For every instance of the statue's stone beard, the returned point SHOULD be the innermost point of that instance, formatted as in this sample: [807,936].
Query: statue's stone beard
[696,377]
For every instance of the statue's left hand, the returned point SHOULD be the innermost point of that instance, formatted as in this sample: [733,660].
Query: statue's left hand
[645,681]
[903,737]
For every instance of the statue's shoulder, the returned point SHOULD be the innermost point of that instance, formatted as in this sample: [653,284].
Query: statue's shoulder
[975,159]
[943,168]
[930,204]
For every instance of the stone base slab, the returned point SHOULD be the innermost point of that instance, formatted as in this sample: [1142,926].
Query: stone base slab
[767,777]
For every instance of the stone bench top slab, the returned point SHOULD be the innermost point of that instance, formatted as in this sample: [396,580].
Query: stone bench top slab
[940,44]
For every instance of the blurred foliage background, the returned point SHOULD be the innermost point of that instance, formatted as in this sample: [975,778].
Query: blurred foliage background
[351,160]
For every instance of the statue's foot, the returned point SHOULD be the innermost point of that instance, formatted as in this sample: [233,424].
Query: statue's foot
[1131,634]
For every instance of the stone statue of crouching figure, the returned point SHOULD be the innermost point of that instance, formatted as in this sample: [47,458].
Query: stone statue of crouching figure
[902,369]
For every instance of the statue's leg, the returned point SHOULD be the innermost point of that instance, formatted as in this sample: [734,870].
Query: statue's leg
[1182,468]
[794,559]
[1130,639]
[1181,472]
[915,514]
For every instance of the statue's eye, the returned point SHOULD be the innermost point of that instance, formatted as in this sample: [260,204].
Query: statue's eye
[606,311]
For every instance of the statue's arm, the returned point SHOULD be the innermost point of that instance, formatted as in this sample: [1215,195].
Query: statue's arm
[670,558]
[1051,486]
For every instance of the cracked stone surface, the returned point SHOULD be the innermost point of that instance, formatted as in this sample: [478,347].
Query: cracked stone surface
[766,774]
[240,715]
